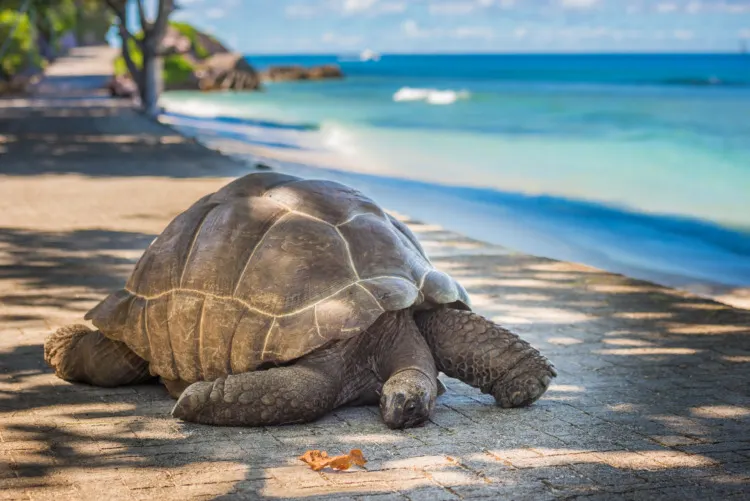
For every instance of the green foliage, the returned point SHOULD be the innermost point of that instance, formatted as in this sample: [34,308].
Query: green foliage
[191,34]
[177,69]
[55,17]
[94,19]
[22,51]
[135,54]
[50,20]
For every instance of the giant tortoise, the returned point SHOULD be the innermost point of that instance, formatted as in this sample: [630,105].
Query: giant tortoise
[277,299]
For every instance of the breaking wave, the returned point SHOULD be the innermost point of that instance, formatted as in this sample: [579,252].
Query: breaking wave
[431,96]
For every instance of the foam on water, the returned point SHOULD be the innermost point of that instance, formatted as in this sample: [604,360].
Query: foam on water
[431,96]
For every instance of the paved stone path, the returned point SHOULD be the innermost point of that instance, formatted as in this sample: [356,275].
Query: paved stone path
[652,401]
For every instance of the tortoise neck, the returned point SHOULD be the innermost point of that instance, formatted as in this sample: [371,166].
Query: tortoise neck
[399,346]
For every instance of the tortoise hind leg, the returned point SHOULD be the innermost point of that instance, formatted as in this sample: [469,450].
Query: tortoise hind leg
[295,394]
[79,354]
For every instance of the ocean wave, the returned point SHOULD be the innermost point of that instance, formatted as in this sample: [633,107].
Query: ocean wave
[336,137]
[233,120]
[222,114]
[431,96]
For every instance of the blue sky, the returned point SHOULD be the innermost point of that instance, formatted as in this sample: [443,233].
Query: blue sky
[334,26]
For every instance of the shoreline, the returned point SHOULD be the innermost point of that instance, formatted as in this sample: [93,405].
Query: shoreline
[334,166]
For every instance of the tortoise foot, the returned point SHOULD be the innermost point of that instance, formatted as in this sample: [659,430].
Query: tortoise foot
[529,383]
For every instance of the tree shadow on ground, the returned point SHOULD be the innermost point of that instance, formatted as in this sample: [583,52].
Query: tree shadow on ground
[652,398]
[70,138]
[44,270]
[652,395]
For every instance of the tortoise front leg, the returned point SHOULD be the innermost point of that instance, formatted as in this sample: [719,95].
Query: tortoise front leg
[284,395]
[408,369]
[482,354]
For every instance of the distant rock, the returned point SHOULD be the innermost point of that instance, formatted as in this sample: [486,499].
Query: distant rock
[226,71]
[296,72]
[121,86]
[194,60]
[184,39]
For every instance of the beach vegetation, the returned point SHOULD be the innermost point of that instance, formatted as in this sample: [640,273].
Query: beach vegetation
[17,32]
[176,71]
[31,33]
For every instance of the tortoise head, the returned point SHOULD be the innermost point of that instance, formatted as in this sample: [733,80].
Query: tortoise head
[408,399]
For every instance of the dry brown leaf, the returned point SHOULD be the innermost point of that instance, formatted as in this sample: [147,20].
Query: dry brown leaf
[319,460]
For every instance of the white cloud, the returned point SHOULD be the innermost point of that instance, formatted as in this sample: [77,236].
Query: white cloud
[578,4]
[520,32]
[345,7]
[373,7]
[452,8]
[215,13]
[358,5]
[461,7]
[744,34]
[682,34]
[666,7]
[411,29]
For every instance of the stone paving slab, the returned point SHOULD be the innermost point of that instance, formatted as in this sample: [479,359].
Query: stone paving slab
[652,401]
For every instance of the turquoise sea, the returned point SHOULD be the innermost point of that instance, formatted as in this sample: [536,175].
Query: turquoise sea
[634,163]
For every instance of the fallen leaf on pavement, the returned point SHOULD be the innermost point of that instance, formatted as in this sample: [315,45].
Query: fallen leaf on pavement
[319,460]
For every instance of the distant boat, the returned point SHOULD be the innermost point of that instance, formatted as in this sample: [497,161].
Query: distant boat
[369,55]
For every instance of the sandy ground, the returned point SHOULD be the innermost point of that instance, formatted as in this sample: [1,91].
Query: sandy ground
[652,401]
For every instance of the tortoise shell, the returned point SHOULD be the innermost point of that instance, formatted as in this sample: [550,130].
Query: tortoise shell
[266,270]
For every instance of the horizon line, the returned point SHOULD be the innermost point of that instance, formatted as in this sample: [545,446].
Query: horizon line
[486,53]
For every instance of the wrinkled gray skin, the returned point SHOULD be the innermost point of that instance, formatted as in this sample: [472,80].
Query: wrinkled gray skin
[245,355]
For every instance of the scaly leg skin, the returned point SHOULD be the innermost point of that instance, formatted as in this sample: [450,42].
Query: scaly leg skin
[295,394]
[79,354]
[482,354]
